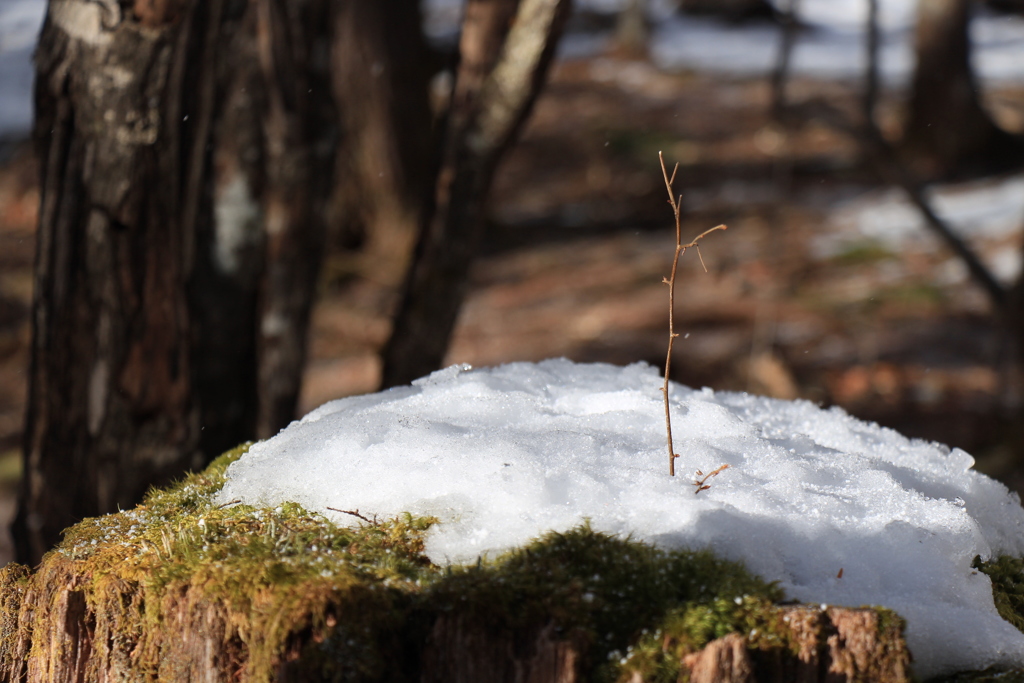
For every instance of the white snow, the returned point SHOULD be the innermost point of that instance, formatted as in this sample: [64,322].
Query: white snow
[831,47]
[832,43]
[986,213]
[501,455]
[19,26]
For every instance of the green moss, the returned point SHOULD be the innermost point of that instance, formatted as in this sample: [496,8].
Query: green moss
[642,147]
[888,620]
[270,571]
[862,253]
[657,656]
[288,588]
[1007,575]
[10,468]
[14,579]
[922,293]
[610,590]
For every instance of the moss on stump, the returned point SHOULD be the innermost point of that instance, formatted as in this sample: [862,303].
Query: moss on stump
[179,589]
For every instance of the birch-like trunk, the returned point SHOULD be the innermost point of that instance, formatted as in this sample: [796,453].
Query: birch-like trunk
[182,176]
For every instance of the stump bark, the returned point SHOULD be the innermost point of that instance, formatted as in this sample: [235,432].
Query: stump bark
[54,629]
[185,154]
[182,588]
[838,644]
[460,650]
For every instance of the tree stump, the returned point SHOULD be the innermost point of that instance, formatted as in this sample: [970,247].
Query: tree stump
[183,589]
[834,644]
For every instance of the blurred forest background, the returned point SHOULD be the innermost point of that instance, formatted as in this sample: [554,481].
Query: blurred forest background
[838,139]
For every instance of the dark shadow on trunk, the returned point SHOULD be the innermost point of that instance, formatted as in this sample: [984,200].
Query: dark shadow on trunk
[381,66]
[506,49]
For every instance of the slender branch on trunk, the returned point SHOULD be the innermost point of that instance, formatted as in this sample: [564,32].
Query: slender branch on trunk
[671,282]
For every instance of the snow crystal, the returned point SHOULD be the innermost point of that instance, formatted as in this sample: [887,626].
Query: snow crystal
[502,455]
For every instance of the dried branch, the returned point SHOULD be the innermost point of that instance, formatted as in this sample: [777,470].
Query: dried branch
[700,481]
[671,282]
[355,513]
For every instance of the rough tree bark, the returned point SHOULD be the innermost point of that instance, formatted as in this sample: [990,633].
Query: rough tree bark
[835,644]
[60,626]
[947,130]
[506,49]
[181,180]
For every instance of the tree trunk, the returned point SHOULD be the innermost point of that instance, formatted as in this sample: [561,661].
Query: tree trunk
[947,130]
[465,650]
[382,64]
[506,49]
[293,39]
[632,30]
[177,242]
[835,644]
[789,19]
[731,10]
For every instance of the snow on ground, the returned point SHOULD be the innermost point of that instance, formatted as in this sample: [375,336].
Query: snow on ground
[830,47]
[19,25]
[501,455]
[832,44]
[987,213]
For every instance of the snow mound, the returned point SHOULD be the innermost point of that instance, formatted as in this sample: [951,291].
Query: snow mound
[502,455]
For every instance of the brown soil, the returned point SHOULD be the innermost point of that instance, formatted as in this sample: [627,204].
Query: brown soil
[581,238]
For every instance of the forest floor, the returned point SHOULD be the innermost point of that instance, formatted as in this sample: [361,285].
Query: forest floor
[581,236]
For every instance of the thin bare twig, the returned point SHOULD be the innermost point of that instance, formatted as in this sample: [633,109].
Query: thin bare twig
[671,282]
[230,502]
[701,481]
[355,513]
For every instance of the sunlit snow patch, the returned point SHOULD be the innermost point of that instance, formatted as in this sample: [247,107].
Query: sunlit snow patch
[19,25]
[501,455]
[982,212]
